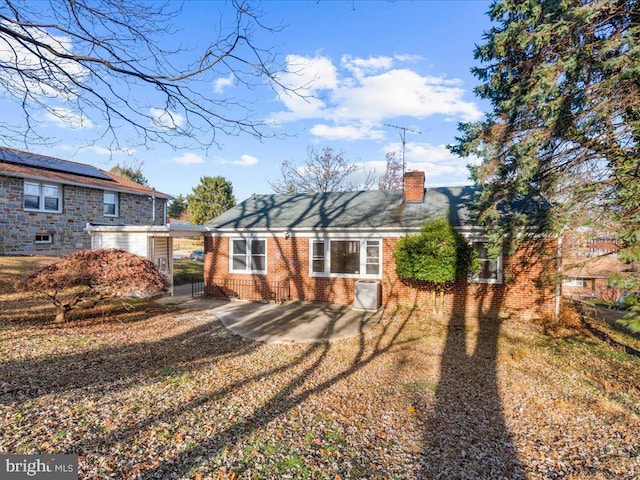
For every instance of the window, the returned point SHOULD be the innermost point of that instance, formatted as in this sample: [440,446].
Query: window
[110,204]
[42,197]
[44,238]
[317,258]
[490,268]
[248,256]
[574,282]
[373,257]
[345,257]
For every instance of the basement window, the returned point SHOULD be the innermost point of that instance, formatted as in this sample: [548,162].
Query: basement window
[44,238]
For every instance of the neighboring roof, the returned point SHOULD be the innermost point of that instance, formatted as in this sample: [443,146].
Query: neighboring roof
[15,163]
[594,267]
[368,209]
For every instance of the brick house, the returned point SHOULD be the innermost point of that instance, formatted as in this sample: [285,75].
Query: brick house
[320,247]
[46,203]
[589,260]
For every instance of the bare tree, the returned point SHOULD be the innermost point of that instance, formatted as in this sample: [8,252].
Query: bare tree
[102,65]
[325,171]
[391,179]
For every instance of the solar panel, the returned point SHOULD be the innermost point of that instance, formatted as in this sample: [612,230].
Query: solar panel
[49,163]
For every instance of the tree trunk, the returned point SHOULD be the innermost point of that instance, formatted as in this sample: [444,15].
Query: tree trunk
[61,314]
[434,306]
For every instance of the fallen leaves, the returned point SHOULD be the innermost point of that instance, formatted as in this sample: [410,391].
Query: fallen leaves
[176,396]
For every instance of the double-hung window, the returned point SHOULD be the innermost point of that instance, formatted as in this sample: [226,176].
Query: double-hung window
[42,197]
[490,270]
[352,257]
[110,204]
[248,255]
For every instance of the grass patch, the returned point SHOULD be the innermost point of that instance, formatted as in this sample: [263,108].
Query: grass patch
[184,270]
[188,243]
[418,386]
[13,268]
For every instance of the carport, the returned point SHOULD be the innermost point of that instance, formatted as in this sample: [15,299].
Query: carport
[152,242]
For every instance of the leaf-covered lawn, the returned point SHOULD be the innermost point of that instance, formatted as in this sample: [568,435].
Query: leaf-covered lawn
[175,395]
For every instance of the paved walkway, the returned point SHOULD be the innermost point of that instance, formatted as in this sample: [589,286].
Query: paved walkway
[294,322]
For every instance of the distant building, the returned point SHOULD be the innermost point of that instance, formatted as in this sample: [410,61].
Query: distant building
[46,203]
[589,260]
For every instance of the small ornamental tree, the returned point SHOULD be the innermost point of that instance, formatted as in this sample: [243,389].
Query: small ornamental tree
[88,277]
[438,255]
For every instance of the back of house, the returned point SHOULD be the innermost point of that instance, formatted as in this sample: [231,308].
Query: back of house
[325,246]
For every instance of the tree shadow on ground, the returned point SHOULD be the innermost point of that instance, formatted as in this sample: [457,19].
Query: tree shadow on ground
[466,435]
[116,368]
[292,394]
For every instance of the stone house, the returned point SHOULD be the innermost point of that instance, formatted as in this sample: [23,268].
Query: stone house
[46,203]
[335,247]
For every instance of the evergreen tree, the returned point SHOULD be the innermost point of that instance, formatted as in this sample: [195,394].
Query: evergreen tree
[563,79]
[210,198]
[177,207]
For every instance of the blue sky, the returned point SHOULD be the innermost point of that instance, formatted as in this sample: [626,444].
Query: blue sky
[364,63]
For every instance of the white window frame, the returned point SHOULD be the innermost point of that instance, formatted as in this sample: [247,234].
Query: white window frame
[327,258]
[41,186]
[475,278]
[116,202]
[48,239]
[248,254]
[573,282]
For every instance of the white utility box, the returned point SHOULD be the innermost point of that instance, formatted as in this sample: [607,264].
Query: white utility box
[367,295]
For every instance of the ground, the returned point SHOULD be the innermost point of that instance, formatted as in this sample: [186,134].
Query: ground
[164,394]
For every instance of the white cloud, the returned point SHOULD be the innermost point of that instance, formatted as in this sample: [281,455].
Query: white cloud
[41,80]
[360,67]
[366,92]
[347,132]
[188,159]
[245,161]
[402,93]
[434,160]
[166,119]
[306,78]
[65,118]
[221,83]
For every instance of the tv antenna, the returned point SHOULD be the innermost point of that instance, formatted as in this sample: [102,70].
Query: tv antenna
[403,137]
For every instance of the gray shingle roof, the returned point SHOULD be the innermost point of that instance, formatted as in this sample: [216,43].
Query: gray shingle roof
[369,209]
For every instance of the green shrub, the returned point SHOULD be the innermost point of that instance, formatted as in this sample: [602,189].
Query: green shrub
[438,254]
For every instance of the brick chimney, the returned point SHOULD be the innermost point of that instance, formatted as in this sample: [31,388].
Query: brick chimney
[413,186]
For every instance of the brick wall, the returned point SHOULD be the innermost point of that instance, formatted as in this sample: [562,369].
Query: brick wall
[528,289]
[80,205]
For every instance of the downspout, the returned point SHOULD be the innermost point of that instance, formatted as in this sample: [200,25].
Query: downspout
[153,206]
[558,277]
